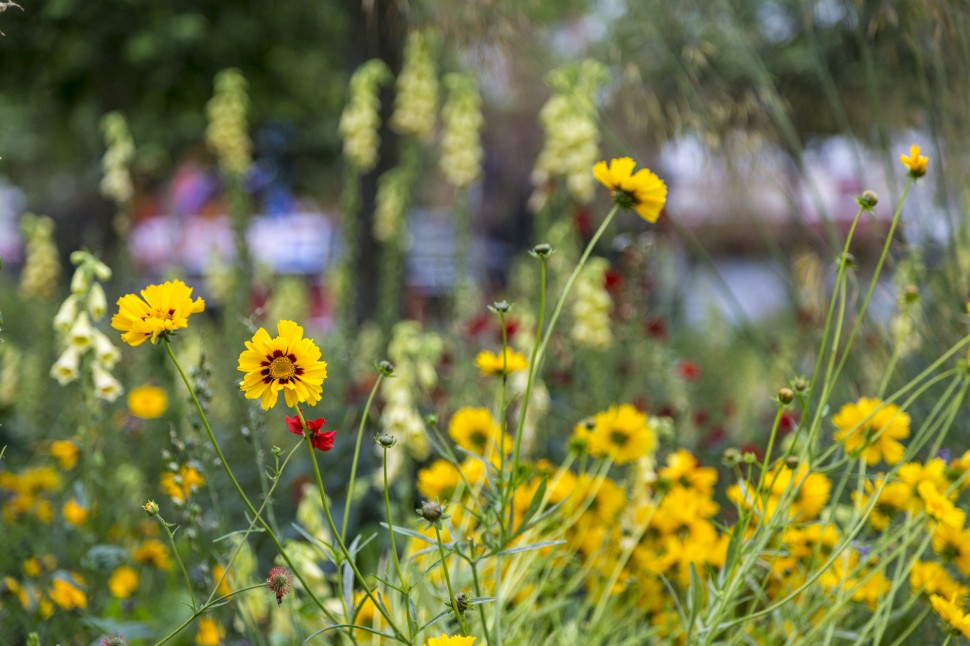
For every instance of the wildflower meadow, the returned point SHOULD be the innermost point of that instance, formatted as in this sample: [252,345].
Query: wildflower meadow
[608,323]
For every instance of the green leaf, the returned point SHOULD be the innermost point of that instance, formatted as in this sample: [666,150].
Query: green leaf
[525,548]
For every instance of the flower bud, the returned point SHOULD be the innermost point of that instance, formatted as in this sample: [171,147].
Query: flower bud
[386,368]
[791,462]
[277,451]
[386,440]
[500,307]
[430,511]
[867,200]
[461,602]
[541,250]
[800,384]
[151,508]
[97,301]
[731,457]
[66,314]
[80,281]
[786,395]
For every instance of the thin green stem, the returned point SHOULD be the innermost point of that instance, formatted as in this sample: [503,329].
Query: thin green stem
[353,468]
[397,562]
[451,591]
[178,558]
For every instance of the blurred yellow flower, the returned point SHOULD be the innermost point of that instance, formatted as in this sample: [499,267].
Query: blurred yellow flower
[939,508]
[219,576]
[915,162]
[153,552]
[438,480]
[454,640]
[180,487]
[74,513]
[67,594]
[65,452]
[147,402]
[210,633]
[161,309]
[507,362]
[622,433]
[287,363]
[873,429]
[123,582]
[642,191]
[930,577]
[952,614]
[476,430]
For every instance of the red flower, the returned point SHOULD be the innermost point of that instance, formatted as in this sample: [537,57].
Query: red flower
[320,440]
[688,370]
[613,280]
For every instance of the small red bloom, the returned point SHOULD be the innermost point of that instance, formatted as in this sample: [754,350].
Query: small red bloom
[688,370]
[613,280]
[279,581]
[320,440]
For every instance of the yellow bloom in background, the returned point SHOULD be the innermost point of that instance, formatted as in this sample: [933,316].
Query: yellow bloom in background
[642,191]
[65,452]
[288,363]
[153,552]
[953,546]
[210,633]
[915,162]
[438,480]
[181,488]
[939,508]
[873,428]
[622,433]
[952,614]
[147,402]
[161,309]
[123,582]
[67,594]
[683,470]
[495,364]
[476,430]
[453,640]
[930,577]
[74,513]
[219,576]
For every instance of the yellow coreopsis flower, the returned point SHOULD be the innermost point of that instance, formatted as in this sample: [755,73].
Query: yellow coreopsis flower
[67,594]
[180,489]
[453,640]
[622,433]
[287,363]
[65,452]
[872,429]
[939,508]
[438,480]
[162,309]
[476,430]
[915,162]
[147,402]
[952,614]
[642,191]
[153,552]
[74,512]
[210,633]
[123,582]
[507,362]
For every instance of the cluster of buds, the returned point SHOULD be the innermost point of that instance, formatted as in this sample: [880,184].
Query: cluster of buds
[86,305]
[393,191]
[461,146]
[120,150]
[417,89]
[228,131]
[360,121]
[572,136]
[592,306]
[38,279]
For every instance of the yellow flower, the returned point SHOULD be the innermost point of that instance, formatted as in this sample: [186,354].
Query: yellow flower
[65,452]
[210,633]
[953,546]
[939,508]
[930,577]
[74,513]
[288,363]
[622,433]
[642,191]
[67,594]
[147,402]
[602,498]
[439,480]
[476,430]
[684,470]
[220,576]
[915,162]
[873,429]
[123,582]
[454,640]
[952,614]
[181,488]
[496,364]
[161,309]
[153,552]
[32,567]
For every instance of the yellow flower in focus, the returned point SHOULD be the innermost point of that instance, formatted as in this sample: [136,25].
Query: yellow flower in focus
[915,162]
[160,310]
[507,362]
[454,640]
[288,363]
[74,513]
[123,582]
[642,191]
[476,430]
[65,452]
[147,402]
[873,429]
[67,594]
[622,433]
[952,614]
[210,633]
[153,552]
[181,488]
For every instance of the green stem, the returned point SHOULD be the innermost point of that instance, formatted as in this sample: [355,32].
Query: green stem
[397,561]
[204,607]
[353,467]
[178,558]
[451,592]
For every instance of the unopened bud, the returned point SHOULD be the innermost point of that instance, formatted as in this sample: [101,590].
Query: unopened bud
[430,511]
[731,457]
[151,508]
[868,199]
[386,368]
[791,462]
[786,395]
[541,250]
[461,602]
[500,307]
[386,440]
[800,384]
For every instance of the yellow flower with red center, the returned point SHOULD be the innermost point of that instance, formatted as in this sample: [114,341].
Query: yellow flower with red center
[873,430]
[915,162]
[642,191]
[507,362]
[622,433]
[123,582]
[162,309]
[288,363]
[476,430]
[147,402]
